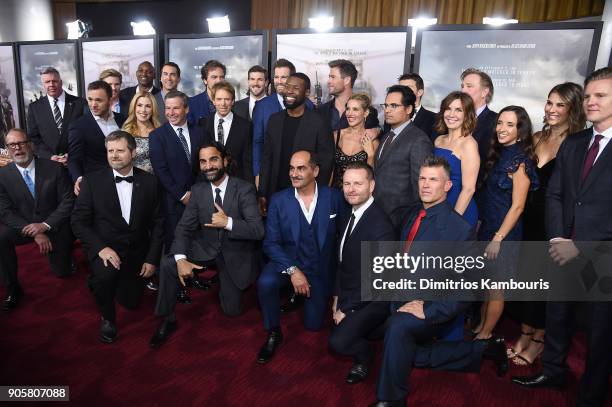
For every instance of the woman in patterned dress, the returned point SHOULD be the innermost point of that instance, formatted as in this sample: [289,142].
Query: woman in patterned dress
[142,120]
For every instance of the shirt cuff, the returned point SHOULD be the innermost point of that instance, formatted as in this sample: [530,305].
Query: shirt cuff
[178,257]
[47,225]
[230,224]
[183,197]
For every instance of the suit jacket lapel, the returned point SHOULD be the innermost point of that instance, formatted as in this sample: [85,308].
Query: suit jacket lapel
[232,130]
[580,157]
[21,185]
[599,165]
[293,206]
[109,180]
[137,202]
[323,212]
[40,179]
[50,119]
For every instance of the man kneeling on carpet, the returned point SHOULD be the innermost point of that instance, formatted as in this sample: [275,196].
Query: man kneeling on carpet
[118,218]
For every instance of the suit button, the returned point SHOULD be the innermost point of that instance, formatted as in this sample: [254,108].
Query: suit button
[578,203]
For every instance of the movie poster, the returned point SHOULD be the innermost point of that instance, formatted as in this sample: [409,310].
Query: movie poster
[378,56]
[237,53]
[34,58]
[122,55]
[523,64]
[9,108]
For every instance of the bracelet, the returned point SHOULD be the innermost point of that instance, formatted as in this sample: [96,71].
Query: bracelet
[500,235]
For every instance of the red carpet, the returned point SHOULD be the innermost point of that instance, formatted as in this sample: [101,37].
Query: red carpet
[51,339]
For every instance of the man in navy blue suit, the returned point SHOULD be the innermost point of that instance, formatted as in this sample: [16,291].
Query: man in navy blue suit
[301,245]
[266,107]
[173,149]
[201,106]
[414,324]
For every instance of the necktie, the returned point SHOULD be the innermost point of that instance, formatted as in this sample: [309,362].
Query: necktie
[29,182]
[590,158]
[57,115]
[220,135]
[184,144]
[388,141]
[414,229]
[350,227]
[218,200]
[129,179]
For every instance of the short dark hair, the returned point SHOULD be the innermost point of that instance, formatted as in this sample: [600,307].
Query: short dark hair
[175,66]
[119,135]
[598,75]
[313,157]
[346,68]
[284,63]
[212,64]
[485,81]
[257,68]
[436,162]
[303,77]
[420,85]
[50,71]
[408,96]
[360,165]
[177,94]
[95,85]
[214,144]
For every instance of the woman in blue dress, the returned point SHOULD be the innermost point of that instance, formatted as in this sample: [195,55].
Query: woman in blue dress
[455,123]
[510,174]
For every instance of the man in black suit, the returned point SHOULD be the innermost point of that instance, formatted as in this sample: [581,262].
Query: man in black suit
[145,75]
[119,219]
[220,225]
[291,130]
[424,119]
[400,153]
[340,82]
[35,204]
[355,319]
[50,117]
[578,223]
[86,135]
[231,131]
[258,83]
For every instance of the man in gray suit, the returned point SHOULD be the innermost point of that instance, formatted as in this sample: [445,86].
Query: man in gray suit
[221,225]
[400,153]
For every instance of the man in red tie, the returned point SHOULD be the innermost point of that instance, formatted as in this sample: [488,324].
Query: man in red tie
[579,198]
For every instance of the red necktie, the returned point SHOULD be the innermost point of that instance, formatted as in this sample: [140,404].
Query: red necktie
[414,229]
[590,158]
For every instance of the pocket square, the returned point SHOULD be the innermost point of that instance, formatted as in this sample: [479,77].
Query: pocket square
[332,215]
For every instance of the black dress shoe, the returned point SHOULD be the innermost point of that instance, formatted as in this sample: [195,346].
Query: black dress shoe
[495,350]
[357,374]
[12,300]
[294,303]
[540,380]
[163,332]
[183,296]
[275,338]
[393,403]
[203,285]
[108,331]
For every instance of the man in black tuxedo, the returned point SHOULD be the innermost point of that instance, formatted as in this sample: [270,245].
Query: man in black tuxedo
[86,135]
[424,119]
[50,117]
[35,204]
[145,75]
[231,131]
[578,223]
[119,219]
[291,130]
[258,83]
[355,319]
[220,225]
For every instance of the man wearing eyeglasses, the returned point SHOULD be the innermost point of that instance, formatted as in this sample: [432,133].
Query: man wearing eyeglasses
[35,204]
[400,153]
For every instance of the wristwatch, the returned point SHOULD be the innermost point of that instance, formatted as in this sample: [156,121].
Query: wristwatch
[291,270]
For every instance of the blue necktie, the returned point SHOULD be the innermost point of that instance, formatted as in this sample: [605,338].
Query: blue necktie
[29,182]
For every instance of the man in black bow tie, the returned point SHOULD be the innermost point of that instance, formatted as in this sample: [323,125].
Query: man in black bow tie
[118,218]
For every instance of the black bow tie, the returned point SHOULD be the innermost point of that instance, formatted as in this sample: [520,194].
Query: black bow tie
[129,179]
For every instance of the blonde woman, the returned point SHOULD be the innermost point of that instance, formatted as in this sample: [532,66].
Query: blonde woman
[142,120]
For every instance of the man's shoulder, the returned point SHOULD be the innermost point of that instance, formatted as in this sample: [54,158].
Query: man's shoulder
[40,102]
[455,222]
[160,131]
[93,178]
[199,98]
[84,120]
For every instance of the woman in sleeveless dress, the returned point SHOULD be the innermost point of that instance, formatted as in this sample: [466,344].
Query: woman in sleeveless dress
[563,115]
[352,143]
[455,123]
[142,120]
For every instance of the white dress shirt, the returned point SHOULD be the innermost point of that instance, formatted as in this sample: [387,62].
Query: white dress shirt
[124,192]
[185,134]
[107,126]
[308,213]
[31,171]
[607,135]
[61,102]
[480,110]
[416,111]
[227,123]
[358,214]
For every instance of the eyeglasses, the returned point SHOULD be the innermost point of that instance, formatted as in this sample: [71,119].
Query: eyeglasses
[391,106]
[14,146]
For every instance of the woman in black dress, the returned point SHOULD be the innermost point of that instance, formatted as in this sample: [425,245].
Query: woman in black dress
[563,115]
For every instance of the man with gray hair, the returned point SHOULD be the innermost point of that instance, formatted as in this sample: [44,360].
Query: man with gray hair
[118,218]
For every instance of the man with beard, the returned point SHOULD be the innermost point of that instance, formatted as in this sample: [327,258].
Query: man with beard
[295,129]
[220,226]
[145,74]
[118,218]
[258,83]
